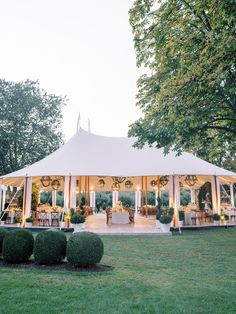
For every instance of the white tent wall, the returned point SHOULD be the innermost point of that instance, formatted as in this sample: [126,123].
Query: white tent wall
[27,198]
[214,195]
[92,199]
[66,193]
[1,193]
[231,194]
[73,192]
[171,191]
[115,197]
[176,198]
[193,196]
[54,198]
[217,179]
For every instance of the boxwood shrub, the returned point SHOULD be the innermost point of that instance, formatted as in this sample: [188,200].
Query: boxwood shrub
[17,246]
[84,249]
[3,232]
[50,247]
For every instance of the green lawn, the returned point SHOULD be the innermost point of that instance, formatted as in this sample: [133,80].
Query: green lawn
[191,273]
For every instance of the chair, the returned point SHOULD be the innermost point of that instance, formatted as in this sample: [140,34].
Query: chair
[109,215]
[54,219]
[131,215]
[43,219]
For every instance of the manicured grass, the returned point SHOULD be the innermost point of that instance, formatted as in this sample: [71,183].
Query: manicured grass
[191,273]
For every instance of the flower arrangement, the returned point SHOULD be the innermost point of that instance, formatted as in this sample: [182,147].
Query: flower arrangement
[118,208]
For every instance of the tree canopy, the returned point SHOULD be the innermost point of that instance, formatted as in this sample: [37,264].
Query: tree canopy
[188,97]
[30,124]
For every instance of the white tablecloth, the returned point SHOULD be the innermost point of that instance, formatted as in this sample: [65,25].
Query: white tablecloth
[120,218]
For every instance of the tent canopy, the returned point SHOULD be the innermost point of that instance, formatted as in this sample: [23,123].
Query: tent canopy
[87,154]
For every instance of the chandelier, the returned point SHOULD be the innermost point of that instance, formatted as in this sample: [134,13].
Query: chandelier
[55,184]
[118,179]
[153,183]
[101,183]
[115,186]
[190,180]
[128,184]
[164,180]
[46,180]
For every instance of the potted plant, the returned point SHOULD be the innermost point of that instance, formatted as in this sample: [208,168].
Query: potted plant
[78,222]
[158,212]
[28,222]
[165,221]
[63,221]
[18,221]
[181,218]
[216,219]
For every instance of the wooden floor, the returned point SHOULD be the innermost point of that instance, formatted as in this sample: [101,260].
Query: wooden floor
[97,223]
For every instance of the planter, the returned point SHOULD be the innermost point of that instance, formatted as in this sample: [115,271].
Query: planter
[28,224]
[62,224]
[165,228]
[2,222]
[180,223]
[158,224]
[17,225]
[216,222]
[78,227]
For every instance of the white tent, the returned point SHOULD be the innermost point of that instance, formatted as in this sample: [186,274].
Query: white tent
[88,156]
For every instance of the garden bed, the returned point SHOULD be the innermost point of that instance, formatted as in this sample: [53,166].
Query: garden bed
[63,266]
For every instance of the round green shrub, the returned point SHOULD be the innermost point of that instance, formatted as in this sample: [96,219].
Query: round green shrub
[165,219]
[84,249]
[216,217]
[17,246]
[3,232]
[77,219]
[49,247]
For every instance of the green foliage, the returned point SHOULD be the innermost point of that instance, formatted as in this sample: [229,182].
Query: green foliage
[216,217]
[158,208]
[18,220]
[127,199]
[188,96]
[17,246]
[30,124]
[77,219]
[181,215]
[35,196]
[165,219]
[204,194]
[185,197]
[84,249]
[29,219]
[50,247]
[103,199]
[3,232]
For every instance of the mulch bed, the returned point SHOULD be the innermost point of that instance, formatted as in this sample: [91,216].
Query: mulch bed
[63,266]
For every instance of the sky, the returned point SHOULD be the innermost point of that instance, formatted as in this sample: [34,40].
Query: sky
[81,49]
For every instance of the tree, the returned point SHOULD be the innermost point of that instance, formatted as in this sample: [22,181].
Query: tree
[188,98]
[30,124]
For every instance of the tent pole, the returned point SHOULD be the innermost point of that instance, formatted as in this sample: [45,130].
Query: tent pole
[85,194]
[69,195]
[142,197]
[146,200]
[79,194]
[158,186]
[24,203]
[88,191]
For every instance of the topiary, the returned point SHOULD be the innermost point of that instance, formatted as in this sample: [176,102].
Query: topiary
[3,232]
[165,219]
[84,249]
[216,217]
[77,219]
[49,247]
[17,246]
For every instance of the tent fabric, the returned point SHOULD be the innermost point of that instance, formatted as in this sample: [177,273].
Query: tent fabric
[87,154]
